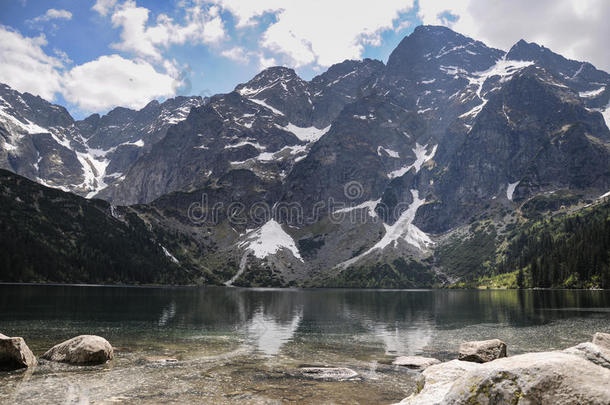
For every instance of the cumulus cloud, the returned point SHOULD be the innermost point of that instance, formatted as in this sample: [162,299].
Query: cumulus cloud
[97,85]
[201,26]
[318,31]
[264,62]
[52,14]
[103,7]
[577,29]
[113,80]
[26,67]
[237,54]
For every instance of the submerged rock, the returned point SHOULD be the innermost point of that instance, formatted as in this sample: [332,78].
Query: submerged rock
[328,373]
[602,340]
[547,377]
[415,362]
[482,351]
[15,353]
[84,349]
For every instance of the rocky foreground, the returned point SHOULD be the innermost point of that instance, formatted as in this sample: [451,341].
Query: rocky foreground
[577,375]
[84,349]
[482,374]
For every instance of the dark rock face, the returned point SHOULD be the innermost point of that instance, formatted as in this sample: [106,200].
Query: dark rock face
[449,131]
[265,125]
[537,135]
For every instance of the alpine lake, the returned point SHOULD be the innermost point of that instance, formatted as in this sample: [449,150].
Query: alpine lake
[247,346]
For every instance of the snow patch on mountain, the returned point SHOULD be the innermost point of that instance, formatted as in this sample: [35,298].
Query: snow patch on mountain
[173,117]
[592,93]
[503,68]
[421,157]
[309,134]
[368,205]
[168,254]
[292,150]
[244,143]
[267,106]
[510,190]
[337,80]
[94,171]
[268,240]
[17,128]
[606,115]
[402,229]
[389,152]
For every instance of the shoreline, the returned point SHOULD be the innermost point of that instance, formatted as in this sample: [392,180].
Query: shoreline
[193,286]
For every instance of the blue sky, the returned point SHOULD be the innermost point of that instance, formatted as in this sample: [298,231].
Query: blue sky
[92,55]
[201,67]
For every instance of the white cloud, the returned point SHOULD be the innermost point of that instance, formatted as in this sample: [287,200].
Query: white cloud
[112,81]
[319,31]
[52,14]
[264,63]
[104,6]
[201,26]
[577,29]
[237,53]
[26,67]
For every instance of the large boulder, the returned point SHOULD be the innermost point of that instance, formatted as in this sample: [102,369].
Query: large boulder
[592,352]
[15,354]
[438,380]
[415,362]
[482,351]
[84,349]
[534,378]
[602,340]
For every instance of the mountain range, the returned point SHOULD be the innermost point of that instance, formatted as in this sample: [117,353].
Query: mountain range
[418,172]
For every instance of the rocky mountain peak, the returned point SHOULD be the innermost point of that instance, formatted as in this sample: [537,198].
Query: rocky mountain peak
[277,78]
[429,47]
[579,74]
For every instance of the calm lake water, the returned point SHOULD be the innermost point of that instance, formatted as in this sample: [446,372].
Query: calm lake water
[246,345]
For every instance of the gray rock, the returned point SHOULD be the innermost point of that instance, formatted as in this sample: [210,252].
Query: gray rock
[534,378]
[84,349]
[438,380]
[482,351]
[602,340]
[415,362]
[15,353]
[328,373]
[592,352]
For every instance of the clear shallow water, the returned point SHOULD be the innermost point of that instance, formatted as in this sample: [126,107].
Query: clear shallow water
[245,346]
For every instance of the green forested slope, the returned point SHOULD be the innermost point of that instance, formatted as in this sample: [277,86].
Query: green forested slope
[47,235]
[571,251]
